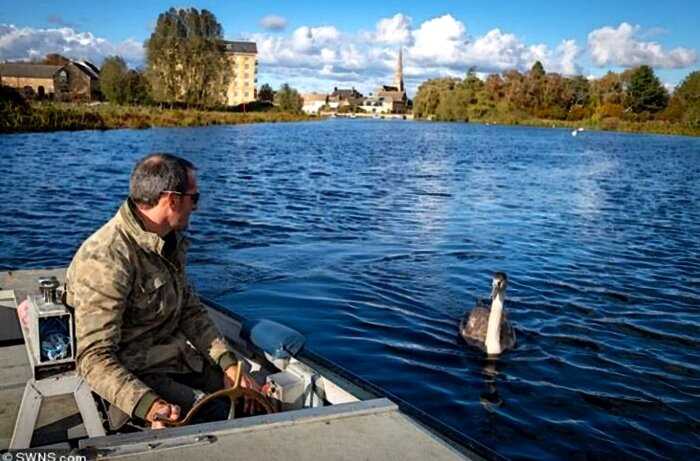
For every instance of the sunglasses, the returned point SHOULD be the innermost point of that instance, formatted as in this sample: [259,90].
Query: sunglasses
[194,195]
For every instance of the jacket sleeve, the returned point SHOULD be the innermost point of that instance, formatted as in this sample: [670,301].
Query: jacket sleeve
[98,289]
[204,335]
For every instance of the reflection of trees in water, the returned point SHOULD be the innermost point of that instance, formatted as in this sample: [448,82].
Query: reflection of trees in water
[490,397]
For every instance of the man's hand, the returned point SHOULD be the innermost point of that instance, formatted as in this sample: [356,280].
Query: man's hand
[246,381]
[162,411]
[23,313]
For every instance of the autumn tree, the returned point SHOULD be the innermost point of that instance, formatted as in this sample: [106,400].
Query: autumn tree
[580,90]
[494,87]
[555,97]
[634,94]
[608,89]
[514,89]
[185,60]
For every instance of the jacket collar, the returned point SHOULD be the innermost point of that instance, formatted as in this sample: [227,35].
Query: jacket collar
[149,241]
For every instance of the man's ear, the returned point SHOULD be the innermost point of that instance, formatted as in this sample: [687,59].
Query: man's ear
[168,201]
[174,201]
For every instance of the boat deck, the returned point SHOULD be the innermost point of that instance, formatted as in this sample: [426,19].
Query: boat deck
[366,429]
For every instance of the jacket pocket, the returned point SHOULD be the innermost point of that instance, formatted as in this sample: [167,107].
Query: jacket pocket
[148,298]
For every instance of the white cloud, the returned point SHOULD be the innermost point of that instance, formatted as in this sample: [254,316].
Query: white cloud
[27,43]
[438,47]
[622,47]
[440,40]
[273,22]
[310,39]
[328,55]
[497,51]
[394,31]
[568,53]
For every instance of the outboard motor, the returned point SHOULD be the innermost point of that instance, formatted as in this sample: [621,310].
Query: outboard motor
[295,385]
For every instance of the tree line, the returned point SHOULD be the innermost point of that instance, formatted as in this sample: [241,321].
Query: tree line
[634,95]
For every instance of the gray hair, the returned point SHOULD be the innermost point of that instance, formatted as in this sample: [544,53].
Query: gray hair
[156,173]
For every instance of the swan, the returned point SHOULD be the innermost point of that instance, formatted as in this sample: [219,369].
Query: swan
[490,329]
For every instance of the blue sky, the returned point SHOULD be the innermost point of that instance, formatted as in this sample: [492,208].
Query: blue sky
[317,45]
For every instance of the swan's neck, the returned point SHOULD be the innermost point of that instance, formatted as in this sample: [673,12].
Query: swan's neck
[493,331]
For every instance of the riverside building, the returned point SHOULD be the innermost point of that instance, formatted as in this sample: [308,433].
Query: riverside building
[243,61]
[67,81]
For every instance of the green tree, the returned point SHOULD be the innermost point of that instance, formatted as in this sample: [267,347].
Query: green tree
[537,70]
[15,111]
[430,95]
[185,60]
[113,75]
[136,88]
[265,93]
[685,102]
[287,99]
[645,93]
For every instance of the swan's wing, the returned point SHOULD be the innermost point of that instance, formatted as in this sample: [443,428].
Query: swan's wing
[474,328]
[507,333]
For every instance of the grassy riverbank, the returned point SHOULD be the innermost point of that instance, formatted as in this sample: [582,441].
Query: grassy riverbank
[605,124]
[53,116]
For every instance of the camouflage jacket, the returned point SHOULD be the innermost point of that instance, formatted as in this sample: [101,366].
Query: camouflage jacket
[136,313]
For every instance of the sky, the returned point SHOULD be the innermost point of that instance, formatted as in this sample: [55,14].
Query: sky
[316,46]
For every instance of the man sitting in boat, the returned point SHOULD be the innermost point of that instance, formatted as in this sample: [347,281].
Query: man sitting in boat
[145,342]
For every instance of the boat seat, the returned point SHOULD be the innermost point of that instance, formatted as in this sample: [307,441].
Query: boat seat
[10,331]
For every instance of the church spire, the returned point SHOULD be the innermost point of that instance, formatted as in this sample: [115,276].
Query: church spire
[398,76]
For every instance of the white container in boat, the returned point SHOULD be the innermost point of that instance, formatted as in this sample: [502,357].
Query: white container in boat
[288,388]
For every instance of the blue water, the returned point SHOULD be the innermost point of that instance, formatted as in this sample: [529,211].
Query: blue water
[373,237]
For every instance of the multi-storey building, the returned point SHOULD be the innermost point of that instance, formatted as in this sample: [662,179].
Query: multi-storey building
[243,78]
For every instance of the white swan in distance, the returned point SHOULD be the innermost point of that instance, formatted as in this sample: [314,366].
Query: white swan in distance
[487,329]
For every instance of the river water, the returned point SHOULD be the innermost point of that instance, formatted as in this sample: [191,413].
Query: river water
[373,237]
